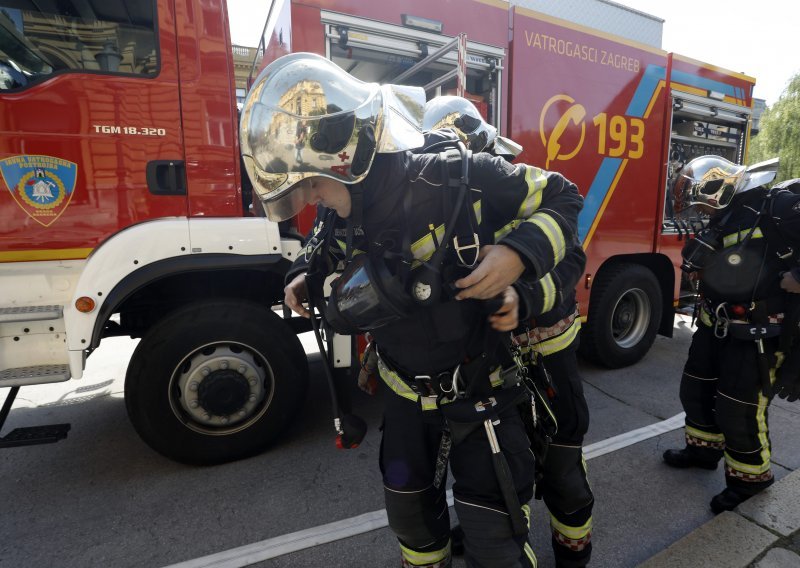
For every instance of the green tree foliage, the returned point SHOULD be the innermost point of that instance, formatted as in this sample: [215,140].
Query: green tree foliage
[780,133]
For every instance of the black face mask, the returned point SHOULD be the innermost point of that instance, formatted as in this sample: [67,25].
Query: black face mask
[699,251]
[365,297]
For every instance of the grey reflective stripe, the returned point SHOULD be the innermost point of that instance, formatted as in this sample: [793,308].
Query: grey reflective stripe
[548,292]
[536,181]
[550,227]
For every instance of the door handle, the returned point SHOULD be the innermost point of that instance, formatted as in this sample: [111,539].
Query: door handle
[166,177]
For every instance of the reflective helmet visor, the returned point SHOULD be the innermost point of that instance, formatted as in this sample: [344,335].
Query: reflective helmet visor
[708,180]
[306,117]
[461,116]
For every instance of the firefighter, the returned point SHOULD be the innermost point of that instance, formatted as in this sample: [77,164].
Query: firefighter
[431,270]
[549,340]
[744,349]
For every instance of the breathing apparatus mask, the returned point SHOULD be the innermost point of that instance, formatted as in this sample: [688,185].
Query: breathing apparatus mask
[365,297]
[699,251]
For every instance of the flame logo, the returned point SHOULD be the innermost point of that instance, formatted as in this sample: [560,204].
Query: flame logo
[574,114]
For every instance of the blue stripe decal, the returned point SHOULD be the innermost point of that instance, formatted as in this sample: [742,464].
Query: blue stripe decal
[596,194]
[703,83]
[644,92]
[610,166]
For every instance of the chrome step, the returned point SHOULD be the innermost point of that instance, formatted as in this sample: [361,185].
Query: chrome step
[34,375]
[30,313]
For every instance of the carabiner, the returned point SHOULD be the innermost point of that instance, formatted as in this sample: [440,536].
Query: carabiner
[721,320]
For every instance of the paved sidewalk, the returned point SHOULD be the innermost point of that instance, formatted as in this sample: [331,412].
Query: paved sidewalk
[763,532]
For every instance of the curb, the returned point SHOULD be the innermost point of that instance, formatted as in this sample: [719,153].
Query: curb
[736,539]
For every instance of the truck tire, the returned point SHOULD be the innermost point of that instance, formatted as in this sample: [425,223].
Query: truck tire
[624,315]
[215,382]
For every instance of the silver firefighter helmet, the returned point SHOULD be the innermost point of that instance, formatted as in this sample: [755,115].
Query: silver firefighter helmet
[713,181]
[460,115]
[305,116]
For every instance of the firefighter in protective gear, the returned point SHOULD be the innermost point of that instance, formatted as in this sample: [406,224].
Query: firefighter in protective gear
[443,358]
[746,333]
[549,341]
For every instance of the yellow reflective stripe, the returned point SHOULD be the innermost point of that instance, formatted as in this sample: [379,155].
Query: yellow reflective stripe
[707,436]
[705,318]
[494,377]
[476,206]
[548,292]
[424,558]
[747,467]
[552,231]
[559,342]
[536,181]
[503,231]
[423,248]
[763,437]
[574,533]
[526,510]
[429,402]
[395,383]
[343,246]
[729,240]
[401,388]
[529,553]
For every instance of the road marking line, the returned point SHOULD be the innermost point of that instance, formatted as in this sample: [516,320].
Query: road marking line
[634,436]
[331,532]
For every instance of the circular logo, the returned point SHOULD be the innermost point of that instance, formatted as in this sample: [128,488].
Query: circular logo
[571,118]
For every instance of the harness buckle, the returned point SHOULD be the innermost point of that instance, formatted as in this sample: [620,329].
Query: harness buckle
[721,321]
[476,244]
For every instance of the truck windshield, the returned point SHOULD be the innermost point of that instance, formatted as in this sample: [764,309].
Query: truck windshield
[104,36]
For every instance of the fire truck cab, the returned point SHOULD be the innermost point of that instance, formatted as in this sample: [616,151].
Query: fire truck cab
[122,213]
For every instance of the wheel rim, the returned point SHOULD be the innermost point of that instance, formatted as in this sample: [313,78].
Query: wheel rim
[631,318]
[221,388]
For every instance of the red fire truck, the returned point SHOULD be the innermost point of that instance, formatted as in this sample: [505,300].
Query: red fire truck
[122,210]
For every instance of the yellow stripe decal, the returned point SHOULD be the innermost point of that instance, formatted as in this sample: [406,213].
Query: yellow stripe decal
[48,254]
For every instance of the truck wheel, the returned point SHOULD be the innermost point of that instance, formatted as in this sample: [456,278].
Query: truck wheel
[624,315]
[215,382]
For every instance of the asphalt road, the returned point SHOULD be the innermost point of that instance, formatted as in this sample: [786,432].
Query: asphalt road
[103,498]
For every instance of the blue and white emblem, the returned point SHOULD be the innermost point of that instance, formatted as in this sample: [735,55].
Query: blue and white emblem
[41,185]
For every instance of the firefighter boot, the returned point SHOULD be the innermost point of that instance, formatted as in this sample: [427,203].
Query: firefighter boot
[727,500]
[691,456]
[730,498]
